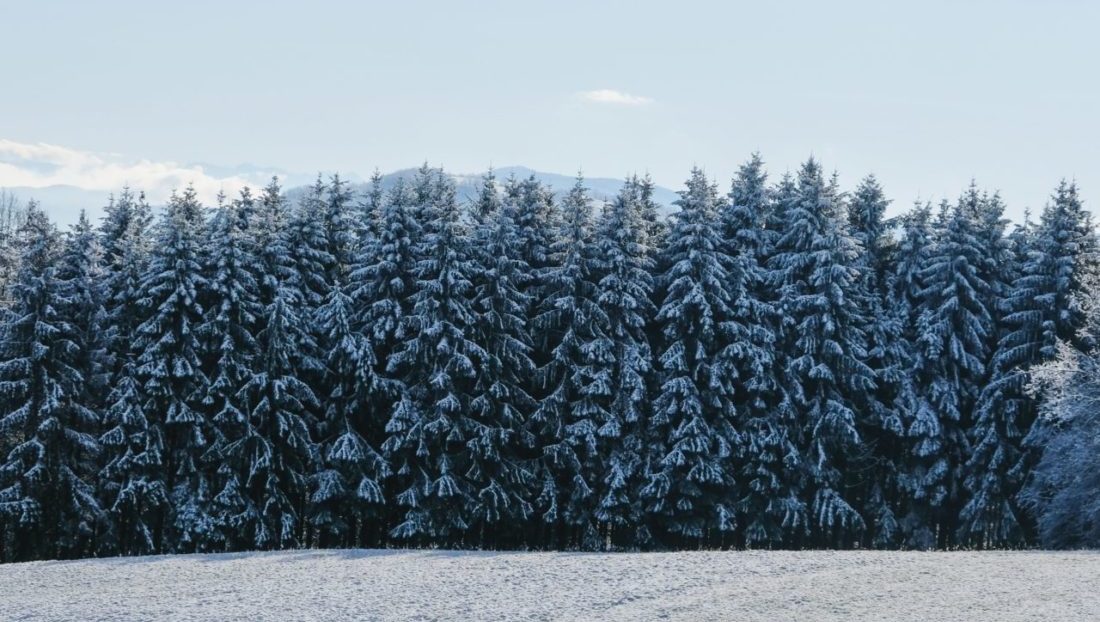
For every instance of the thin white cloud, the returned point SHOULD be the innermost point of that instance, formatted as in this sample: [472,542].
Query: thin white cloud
[613,97]
[39,165]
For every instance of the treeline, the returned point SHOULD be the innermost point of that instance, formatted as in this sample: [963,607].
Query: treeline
[776,366]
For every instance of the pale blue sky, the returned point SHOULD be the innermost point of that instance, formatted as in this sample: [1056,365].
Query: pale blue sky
[924,94]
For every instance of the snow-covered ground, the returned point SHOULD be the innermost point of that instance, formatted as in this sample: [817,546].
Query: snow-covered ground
[441,585]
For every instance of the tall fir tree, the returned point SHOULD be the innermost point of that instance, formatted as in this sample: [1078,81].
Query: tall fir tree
[131,481]
[268,235]
[48,508]
[382,279]
[653,224]
[81,267]
[272,458]
[883,408]
[227,337]
[438,364]
[768,501]
[824,344]
[1040,309]
[953,331]
[170,369]
[691,490]
[307,240]
[501,443]
[571,413]
[341,227]
[622,364]
[348,490]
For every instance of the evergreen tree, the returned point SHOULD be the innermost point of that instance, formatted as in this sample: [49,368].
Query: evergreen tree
[82,270]
[438,363]
[269,462]
[569,417]
[536,221]
[307,240]
[953,330]
[487,203]
[348,492]
[269,237]
[47,507]
[745,215]
[381,282]
[229,348]
[370,211]
[915,244]
[653,225]
[125,243]
[499,438]
[1040,309]
[887,355]
[131,481]
[341,228]
[768,502]
[171,373]
[691,486]
[816,262]
[621,365]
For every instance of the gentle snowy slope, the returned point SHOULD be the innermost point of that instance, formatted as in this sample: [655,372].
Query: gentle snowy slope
[439,585]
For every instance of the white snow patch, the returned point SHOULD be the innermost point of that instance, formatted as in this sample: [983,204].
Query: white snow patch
[442,585]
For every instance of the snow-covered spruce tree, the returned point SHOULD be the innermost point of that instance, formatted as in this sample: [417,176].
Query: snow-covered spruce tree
[381,281]
[424,187]
[81,268]
[307,244]
[346,501]
[170,369]
[270,461]
[125,241]
[621,365]
[341,227]
[883,408]
[653,224]
[784,200]
[485,206]
[313,270]
[1040,309]
[131,480]
[48,509]
[1062,489]
[370,211]
[268,236]
[228,350]
[570,414]
[997,268]
[768,501]
[914,245]
[745,213]
[690,493]
[499,440]
[438,364]
[953,332]
[816,263]
[536,221]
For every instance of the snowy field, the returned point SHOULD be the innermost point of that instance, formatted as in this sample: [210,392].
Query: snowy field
[438,585]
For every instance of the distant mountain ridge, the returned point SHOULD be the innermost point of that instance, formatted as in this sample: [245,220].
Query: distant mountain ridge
[468,185]
[63,203]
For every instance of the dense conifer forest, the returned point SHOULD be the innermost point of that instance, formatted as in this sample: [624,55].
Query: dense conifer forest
[775,364]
